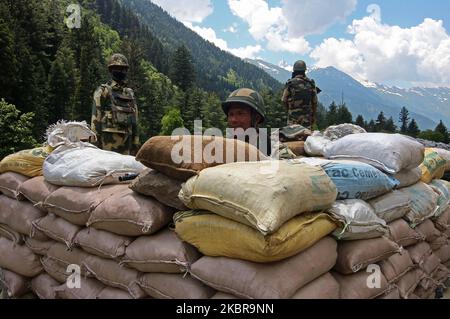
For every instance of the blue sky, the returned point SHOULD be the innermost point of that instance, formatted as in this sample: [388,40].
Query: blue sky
[394,42]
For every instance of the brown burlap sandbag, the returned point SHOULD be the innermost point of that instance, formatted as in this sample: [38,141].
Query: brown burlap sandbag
[174,286]
[57,229]
[163,188]
[66,257]
[356,255]
[19,259]
[419,252]
[10,183]
[89,289]
[428,230]
[130,214]
[297,147]
[39,247]
[44,286]
[392,293]
[356,286]
[439,242]
[430,264]
[443,253]
[396,266]
[324,287]
[10,234]
[55,269]
[16,285]
[222,295]
[75,204]
[114,293]
[112,274]
[408,282]
[163,252]
[102,243]
[19,216]
[401,233]
[443,221]
[277,280]
[165,154]
[36,190]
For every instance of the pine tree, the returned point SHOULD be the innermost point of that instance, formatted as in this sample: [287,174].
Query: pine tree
[8,61]
[371,127]
[441,128]
[381,122]
[343,115]
[404,120]
[360,121]
[321,117]
[413,129]
[390,126]
[332,114]
[171,121]
[182,70]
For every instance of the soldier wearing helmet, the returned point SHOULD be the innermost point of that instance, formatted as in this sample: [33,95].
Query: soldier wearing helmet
[115,113]
[300,97]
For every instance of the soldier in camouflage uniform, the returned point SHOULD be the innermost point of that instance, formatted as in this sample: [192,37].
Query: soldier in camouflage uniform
[115,113]
[300,97]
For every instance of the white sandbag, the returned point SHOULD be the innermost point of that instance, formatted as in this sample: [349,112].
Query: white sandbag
[388,152]
[391,206]
[338,131]
[359,220]
[88,166]
[66,133]
[423,203]
[315,145]
[263,195]
[408,177]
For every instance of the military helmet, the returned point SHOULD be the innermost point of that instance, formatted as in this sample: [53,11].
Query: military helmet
[118,59]
[300,66]
[248,97]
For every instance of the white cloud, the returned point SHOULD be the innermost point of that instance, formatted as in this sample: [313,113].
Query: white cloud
[209,34]
[232,28]
[305,17]
[379,52]
[187,10]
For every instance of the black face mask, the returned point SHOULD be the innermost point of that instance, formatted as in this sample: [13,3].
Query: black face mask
[119,76]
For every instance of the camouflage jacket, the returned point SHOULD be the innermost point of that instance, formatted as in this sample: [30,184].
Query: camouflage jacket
[300,92]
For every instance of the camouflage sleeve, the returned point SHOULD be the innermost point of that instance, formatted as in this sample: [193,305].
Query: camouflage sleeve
[96,120]
[314,103]
[285,96]
[135,129]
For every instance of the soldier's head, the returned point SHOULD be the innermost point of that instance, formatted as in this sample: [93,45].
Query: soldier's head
[299,68]
[244,108]
[118,67]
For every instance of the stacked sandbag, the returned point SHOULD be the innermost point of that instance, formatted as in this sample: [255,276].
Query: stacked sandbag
[27,162]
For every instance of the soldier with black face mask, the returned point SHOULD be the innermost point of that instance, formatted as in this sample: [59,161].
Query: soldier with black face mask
[115,113]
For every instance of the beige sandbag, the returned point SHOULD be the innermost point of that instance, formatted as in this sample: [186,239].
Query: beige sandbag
[392,293]
[443,253]
[401,233]
[10,183]
[44,286]
[396,266]
[19,216]
[278,280]
[174,286]
[182,157]
[55,269]
[428,230]
[354,256]
[89,289]
[102,243]
[408,282]
[113,293]
[358,220]
[10,234]
[163,188]
[430,264]
[130,214]
[39,247]
[423,203]
[16,285]
[443,222]
[324,287]
[391,206]
[36,190]
[359,285]
[57,229]
[162,252]
[75,204]
[111,274]
[408,177]
[419,252]
[217,236]
[222,295]
[263,195]
[65,257]
[19,259]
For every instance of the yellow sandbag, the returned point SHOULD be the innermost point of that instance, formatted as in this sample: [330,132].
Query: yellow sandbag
[216,236]
[433,166]
[27,162]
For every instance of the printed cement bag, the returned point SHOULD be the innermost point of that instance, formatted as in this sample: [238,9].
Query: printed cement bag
[440,187]
[445,155]
[433,166]
[27,162]
[392,206]
[423,203]
[263,195]
[88,166]
[215,235]
[389,152]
